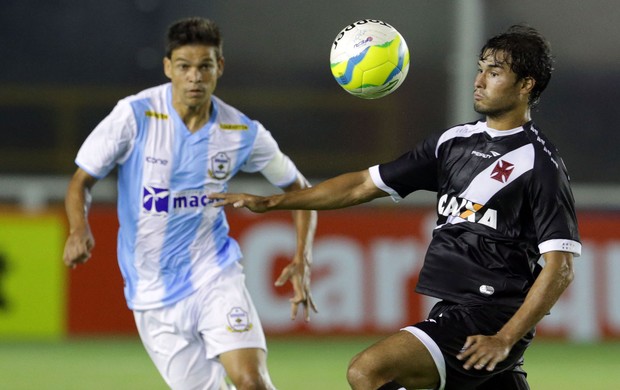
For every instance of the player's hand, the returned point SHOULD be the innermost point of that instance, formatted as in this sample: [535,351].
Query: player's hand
[253,203]
[483,352]
[298,272]
[78,247]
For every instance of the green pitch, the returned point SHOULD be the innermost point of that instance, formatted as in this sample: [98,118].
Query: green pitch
[299,364]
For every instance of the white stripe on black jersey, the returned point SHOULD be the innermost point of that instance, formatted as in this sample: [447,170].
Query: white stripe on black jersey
[503,198]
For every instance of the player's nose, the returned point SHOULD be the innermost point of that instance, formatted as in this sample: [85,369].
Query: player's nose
[194,75]
[478,81]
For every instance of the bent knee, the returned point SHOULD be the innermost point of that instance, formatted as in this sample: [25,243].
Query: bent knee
[353,371]
[251,381]
[364,370]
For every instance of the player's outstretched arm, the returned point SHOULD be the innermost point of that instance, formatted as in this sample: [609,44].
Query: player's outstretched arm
[341,191]
[77,202]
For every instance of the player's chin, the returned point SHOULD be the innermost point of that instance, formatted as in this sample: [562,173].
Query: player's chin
[480,108]
[196,99]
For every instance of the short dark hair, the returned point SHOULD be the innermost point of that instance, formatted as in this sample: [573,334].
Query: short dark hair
[529,55]
[194,30]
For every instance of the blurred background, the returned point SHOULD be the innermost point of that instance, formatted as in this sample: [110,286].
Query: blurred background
[66,63]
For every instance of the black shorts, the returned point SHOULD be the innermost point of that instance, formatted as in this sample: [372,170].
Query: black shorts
[449,324]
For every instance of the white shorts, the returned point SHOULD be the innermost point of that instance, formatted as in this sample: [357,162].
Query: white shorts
[185,339]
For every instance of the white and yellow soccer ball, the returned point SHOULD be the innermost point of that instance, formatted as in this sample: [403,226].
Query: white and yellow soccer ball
[369,59]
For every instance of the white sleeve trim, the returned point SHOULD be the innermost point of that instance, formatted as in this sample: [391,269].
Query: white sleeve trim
[280,171]
[89,170]
[561,245]
[376,178]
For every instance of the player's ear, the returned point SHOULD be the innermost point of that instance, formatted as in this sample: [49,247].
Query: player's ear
[220,67]
[527,84]
[168,67]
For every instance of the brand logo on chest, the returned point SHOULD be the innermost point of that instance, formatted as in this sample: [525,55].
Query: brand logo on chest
[492,154]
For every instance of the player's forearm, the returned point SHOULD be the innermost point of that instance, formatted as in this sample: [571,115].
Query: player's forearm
[547,289]
[342,191]
[77,203]
[305,225]
[304,221]
[76,206]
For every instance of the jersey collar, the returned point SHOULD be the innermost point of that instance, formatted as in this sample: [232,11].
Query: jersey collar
[502,133]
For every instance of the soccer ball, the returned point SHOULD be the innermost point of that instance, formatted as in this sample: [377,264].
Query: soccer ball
[369,59]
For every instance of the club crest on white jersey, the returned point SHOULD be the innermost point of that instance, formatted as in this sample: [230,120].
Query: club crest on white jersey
[220,166]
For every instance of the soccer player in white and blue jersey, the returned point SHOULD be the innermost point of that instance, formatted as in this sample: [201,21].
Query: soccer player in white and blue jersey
[174,144]
[503,202]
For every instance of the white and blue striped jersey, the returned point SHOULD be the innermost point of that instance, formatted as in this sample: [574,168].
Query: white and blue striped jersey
[171,241]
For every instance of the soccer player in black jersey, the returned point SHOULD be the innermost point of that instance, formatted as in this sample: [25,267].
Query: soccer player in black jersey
[503,200]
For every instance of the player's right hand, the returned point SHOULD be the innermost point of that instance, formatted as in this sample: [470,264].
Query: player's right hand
[78,247]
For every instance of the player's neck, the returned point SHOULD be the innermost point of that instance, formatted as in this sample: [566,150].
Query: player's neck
[509,120]
[193,117]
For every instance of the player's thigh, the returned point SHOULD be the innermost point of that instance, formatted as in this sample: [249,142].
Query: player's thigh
[401,357]
[232,331]
[177,353]
[228,319]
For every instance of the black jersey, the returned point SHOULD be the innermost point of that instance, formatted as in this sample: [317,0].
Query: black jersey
[503,198]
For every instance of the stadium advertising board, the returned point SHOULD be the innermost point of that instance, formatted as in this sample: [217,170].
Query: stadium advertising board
[32,277]
[366,262]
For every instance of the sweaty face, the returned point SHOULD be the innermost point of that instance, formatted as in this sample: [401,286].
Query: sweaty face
[496,90]
[193,71]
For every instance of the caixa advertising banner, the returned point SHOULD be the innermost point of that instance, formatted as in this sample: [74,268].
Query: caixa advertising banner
[365,266]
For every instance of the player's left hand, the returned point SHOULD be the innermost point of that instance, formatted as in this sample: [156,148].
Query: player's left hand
[298,272]
[483,352]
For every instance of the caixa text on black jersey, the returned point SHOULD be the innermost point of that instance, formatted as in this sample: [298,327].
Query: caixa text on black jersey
[460,210]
